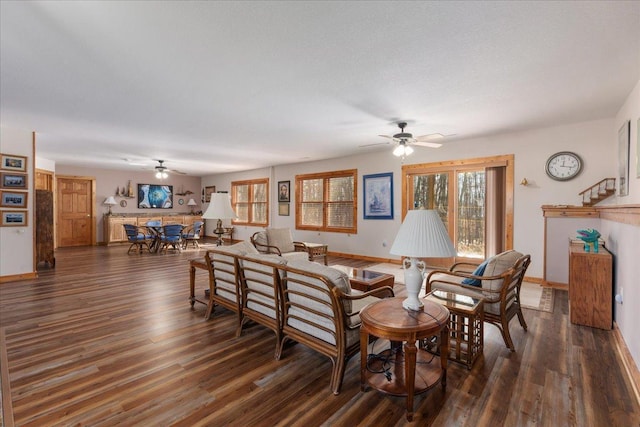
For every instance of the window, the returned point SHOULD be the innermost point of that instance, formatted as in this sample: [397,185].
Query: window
[471,197]
[327,201]
[250,201]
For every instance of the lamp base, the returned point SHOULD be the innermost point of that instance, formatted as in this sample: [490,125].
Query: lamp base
[413,282]
[412,304]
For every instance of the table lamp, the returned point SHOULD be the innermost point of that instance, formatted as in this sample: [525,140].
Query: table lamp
[219,208]
[421,235]
[192,203]
[110,201]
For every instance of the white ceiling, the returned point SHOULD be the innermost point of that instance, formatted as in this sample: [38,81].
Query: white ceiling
[215,87]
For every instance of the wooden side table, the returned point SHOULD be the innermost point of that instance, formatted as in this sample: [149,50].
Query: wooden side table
[466,325]
[315,250]
[193,264]
[388,319]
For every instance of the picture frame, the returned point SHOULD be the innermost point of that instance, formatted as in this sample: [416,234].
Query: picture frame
[13,181]
[154,196]
[208,191]
[284,191]
[378,195]
[283,209]
[13,218]
[12,162]
[624,136]
[13,199]
[638,149]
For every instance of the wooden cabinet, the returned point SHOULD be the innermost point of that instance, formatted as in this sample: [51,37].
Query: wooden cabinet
[114,230]
[590,287]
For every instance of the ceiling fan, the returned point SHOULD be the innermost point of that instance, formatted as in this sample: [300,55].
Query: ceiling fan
[161,170]
[405,140]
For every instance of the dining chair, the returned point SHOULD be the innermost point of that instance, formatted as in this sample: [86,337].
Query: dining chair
[171,236]
[191,234]
[138,237]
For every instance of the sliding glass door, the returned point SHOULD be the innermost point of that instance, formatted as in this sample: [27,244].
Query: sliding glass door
[470,199]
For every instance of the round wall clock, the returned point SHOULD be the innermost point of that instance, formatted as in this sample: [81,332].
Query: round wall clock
[180,202]
[563,166]
[123,203]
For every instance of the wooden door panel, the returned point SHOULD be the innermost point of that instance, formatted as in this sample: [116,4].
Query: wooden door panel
[75,211]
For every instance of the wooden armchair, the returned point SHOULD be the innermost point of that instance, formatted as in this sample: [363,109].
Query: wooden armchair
[139,237]
[191,234]
[224,289]
[279,241]
[259,281]
[498,284]
[320,311]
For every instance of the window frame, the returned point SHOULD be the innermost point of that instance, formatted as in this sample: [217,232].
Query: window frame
[326,176]
[452,167]
[234,203]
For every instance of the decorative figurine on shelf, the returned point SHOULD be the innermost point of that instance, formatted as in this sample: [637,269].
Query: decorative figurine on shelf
[590,238]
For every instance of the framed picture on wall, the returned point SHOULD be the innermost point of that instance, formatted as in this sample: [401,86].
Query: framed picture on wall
[208,191]
[623,158]
[13,218]
[283,209]
[12,162]
[378,196]
[284,194]
[15,181]
[13,199]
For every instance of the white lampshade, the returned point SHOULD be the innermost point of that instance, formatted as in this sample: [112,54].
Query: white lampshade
[220,207]
[192,202]
[421,235]
[110,201]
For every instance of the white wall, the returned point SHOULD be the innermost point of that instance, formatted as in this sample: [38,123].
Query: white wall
[623,240]
[16,243]
[108,180]
[591,140]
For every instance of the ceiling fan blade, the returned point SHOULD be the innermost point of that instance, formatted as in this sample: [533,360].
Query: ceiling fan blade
[388,136]
[427,144]
[432,137]
[375,144]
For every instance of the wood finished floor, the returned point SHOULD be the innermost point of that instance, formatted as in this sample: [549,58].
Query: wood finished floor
[108,338]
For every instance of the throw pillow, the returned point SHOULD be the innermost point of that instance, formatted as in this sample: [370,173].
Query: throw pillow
[479,271]
[281,238]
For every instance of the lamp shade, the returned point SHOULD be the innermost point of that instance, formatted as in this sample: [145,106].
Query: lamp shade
[422,235]
[191,202]
[220,207]
[110,201]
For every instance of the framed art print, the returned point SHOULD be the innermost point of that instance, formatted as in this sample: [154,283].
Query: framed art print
[378,196]
[623,158]
[13,181]
[208,191]
[13,218]
[284,194]
[12,162]
[13,199]
[283,209]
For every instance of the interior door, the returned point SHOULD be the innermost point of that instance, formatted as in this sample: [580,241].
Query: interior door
[75,217]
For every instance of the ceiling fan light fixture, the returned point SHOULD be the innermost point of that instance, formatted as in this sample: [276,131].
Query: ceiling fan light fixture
[161,175]
[402,150]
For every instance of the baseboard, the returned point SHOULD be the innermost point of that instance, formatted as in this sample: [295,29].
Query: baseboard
[629,364]
[18,277]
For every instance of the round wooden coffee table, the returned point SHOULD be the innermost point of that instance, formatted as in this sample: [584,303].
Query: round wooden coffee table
[389,320]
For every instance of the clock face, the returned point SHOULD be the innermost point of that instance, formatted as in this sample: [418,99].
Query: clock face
[563,166]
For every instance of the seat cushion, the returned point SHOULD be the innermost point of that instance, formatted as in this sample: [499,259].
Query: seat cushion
[281,238]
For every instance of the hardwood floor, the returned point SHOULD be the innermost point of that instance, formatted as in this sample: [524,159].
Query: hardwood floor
[108,338]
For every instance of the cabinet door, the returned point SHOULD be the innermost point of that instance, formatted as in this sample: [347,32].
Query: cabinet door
[172,219]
